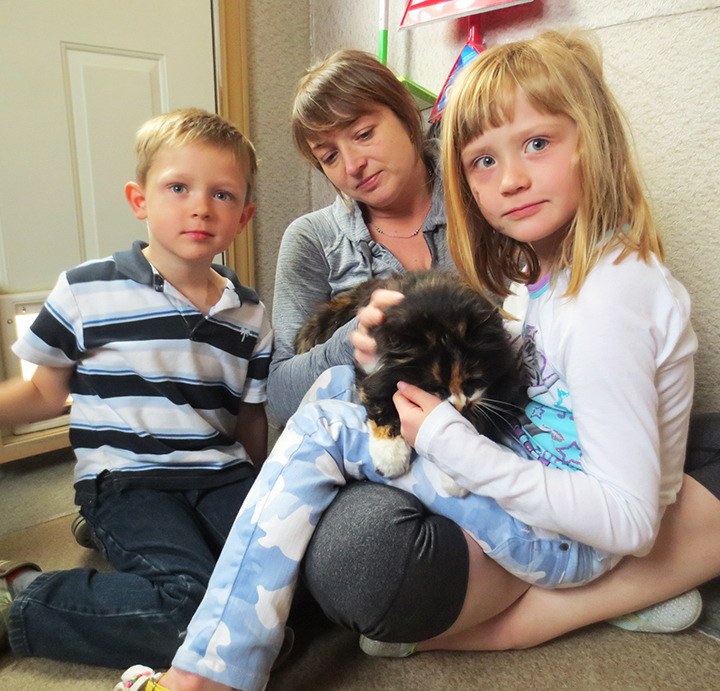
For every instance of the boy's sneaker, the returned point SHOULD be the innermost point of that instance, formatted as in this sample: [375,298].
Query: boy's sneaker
[5,602]
[382,649]
[82,532]
[673,615]
[6,598]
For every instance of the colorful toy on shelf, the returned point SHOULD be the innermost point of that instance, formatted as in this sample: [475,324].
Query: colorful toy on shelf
[472,48]
[423,11]
[424,96]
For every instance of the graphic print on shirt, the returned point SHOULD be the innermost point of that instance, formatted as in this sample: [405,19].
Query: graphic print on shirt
[547,429]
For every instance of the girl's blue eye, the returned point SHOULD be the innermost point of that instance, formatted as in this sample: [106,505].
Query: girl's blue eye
[484,162]
[537,144]
[177,188]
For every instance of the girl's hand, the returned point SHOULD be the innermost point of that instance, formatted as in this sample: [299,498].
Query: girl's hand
[369,316]
[413,406]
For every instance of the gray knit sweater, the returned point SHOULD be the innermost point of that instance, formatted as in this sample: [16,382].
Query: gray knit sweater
[322,254]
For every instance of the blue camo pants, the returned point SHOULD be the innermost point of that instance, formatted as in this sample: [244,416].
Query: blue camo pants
[238,629]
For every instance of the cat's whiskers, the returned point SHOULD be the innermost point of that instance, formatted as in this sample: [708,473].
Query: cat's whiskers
[498,404]
[495,412]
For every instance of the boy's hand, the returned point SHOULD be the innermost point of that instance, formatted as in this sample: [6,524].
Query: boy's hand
[371,315]
[42,398]
[251,431]
[413,406]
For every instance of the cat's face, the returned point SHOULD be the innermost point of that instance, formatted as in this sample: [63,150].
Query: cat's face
[456,349]
[470,370]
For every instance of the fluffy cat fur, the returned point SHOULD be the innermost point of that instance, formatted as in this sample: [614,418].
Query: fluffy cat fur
[443,337]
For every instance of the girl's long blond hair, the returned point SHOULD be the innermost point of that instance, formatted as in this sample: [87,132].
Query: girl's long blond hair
[559,73]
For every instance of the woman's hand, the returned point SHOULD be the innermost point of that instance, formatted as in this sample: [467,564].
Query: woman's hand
[371,315]
[413,406]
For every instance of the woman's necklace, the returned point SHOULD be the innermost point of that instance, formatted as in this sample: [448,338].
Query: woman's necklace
[398,237]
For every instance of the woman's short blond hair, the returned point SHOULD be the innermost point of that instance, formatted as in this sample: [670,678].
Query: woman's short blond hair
[188,125]
[559,73]
[343,87]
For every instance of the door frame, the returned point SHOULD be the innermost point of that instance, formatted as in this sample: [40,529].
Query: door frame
[234,98]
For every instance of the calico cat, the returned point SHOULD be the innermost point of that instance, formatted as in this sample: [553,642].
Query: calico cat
[445,338]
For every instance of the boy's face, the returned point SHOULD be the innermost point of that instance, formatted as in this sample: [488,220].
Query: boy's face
[194,202]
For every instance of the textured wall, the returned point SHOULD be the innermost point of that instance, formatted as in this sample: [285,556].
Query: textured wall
[662,57]
[279,51]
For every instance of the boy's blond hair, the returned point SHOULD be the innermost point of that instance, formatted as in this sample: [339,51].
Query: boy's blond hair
[559,73]
[343,87]
[188,125]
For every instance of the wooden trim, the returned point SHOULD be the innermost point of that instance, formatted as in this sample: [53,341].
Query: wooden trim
[14,447]
[234,90]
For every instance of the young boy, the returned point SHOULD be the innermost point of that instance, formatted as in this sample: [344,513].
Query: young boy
[166,356]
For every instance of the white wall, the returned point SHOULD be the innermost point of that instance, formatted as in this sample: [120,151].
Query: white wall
[662,57]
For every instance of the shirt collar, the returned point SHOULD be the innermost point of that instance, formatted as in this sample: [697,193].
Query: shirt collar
[133,264]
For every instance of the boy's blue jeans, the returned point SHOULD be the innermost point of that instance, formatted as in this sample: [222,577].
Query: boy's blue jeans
[164,545]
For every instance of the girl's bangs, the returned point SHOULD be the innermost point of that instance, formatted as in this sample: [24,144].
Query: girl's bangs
[488,100]
[487,104]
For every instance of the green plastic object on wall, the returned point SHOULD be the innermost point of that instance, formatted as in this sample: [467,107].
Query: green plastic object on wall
[424,96]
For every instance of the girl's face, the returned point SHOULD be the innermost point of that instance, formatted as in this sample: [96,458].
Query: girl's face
[524,176]
[372,160]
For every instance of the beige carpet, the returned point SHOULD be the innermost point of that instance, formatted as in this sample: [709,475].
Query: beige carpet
[36,490]
[598,658]
[38,493]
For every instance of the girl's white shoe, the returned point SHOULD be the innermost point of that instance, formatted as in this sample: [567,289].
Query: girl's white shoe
[677,614]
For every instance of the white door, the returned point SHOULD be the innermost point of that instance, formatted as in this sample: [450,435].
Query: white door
[77,78]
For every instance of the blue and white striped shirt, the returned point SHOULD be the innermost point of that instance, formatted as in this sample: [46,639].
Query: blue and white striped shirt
[157,384]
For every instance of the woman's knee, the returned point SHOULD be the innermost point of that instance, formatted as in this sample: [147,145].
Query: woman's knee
[702,461]
[380,564]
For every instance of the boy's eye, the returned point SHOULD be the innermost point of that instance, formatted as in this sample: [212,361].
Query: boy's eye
[223,196]
[537,144]
[178,188]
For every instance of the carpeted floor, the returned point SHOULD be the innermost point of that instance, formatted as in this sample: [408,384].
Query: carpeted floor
[327,658]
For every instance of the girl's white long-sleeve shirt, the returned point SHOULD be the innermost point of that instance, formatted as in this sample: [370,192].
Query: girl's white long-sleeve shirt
[611,388]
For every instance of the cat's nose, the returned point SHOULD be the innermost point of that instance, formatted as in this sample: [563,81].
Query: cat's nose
[458,401]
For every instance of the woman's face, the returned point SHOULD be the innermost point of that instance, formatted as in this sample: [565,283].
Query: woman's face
[372,160]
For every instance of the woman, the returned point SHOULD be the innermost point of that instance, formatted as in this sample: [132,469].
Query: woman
[398,572]
[359,126]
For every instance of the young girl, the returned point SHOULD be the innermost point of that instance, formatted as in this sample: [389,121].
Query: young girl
[542,191]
